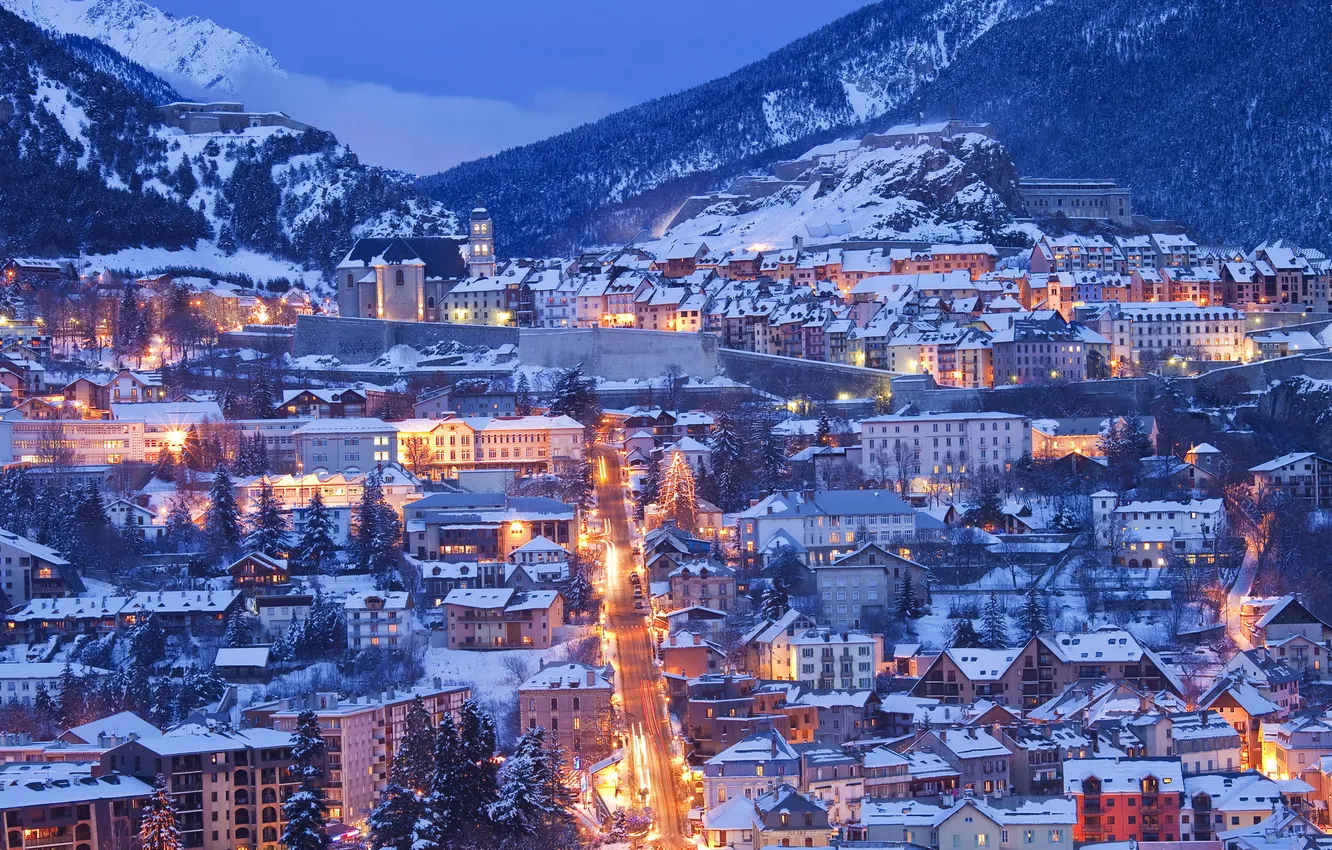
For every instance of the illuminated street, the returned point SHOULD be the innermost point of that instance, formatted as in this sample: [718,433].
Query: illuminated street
[648,744]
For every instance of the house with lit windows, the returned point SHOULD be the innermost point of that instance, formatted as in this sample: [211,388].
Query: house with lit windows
[378,619]
[502,618]
[824,525]
[484,526]
[572,702]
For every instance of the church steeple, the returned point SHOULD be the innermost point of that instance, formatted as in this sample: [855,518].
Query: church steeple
[481,243]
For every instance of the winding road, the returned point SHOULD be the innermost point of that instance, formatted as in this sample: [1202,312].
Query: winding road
[649,743]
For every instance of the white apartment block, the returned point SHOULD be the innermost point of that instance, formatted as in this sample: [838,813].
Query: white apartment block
[942,443]
[1184,329]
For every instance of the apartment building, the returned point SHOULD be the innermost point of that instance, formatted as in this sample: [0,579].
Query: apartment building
[378,619]
[1183,329]
[572,702]
[227,786]
[900,445]
[824,525]
[969,822]
[781,817]
[347,446]
[1126,799]
[78,442]
[864,587]
[502,618]
[1033,674]
[1303,476]
[749,768]
[69,806]
[1151,533]
[484,526]
[362,734]
[340,493]
[33,571]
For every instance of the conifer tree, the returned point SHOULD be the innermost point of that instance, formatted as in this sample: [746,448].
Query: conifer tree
[92,532]
[823,433]
[45,705]
[222,527]
[182,535]
[521,804]
[523,396]
[994,624]
[316,548]
[678,500]
[477,737]
[908,606]
[238,629]
[774,602]
[727,463]
[393,821]
[376,532]
[579,595]
[269,530]
[649,486]
[157,828]
[413,765]
[1032,619]
[771,463]
[304,810]
[964,635]
[442,803]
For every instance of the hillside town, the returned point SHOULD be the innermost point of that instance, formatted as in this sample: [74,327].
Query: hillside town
[970,547]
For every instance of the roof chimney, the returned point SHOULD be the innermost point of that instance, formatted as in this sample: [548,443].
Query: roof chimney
[591,678]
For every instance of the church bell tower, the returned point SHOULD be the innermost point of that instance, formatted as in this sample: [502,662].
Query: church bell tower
[481,244]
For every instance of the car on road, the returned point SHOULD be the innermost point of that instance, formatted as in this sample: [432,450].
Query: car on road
[638,603]
[634,577]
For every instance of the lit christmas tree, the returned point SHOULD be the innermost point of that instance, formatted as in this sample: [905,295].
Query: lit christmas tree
[158,830]
[678,500]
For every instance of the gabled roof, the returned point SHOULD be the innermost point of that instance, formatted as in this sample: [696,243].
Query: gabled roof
[441,255]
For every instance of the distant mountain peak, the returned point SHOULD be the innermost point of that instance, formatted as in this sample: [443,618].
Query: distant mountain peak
[191,52]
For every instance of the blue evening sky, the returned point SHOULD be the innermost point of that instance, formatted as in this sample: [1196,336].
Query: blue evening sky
[476,77]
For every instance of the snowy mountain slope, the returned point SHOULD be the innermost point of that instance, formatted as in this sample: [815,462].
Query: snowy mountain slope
[87,167]
[1189,102]
[190,51]
[606,180]
[963,192]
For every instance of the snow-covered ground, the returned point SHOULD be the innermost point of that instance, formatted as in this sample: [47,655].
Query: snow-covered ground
[205,255]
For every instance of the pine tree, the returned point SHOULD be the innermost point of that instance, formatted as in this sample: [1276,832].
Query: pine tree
[579,596]
[269,529]
[376,532]
[728,467]
[157,828]
[238,629]
[1032,619]
[413,765]
[477,737]
[521,804]
[127,339]
[316,548]
[92,530]
[182,535]
[393,821]
[575,395]
[823,433]
[222,527]
[304,810]
[771,462]
[774,602]
[649,486]
[523,399]
[44,704]
[246,462]
[908,606]
[964,635]
[678,500]
[994,625]
[165,467]
[442,802]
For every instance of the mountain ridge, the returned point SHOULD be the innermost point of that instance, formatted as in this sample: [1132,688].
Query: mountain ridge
[185,50]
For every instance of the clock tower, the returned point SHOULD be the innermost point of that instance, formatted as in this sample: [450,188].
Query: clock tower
[481,244]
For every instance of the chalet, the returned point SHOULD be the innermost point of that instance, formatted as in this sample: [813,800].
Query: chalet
[378,619]
[258,572]
[325,403]
[181,612]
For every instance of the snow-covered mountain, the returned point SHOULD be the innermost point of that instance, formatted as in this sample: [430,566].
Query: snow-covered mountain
[190,52]
[1213,111]
[962,191]
[87,166]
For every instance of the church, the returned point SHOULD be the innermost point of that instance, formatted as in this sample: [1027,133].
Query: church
[407,278]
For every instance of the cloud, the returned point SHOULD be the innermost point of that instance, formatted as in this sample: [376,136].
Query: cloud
[419,133]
